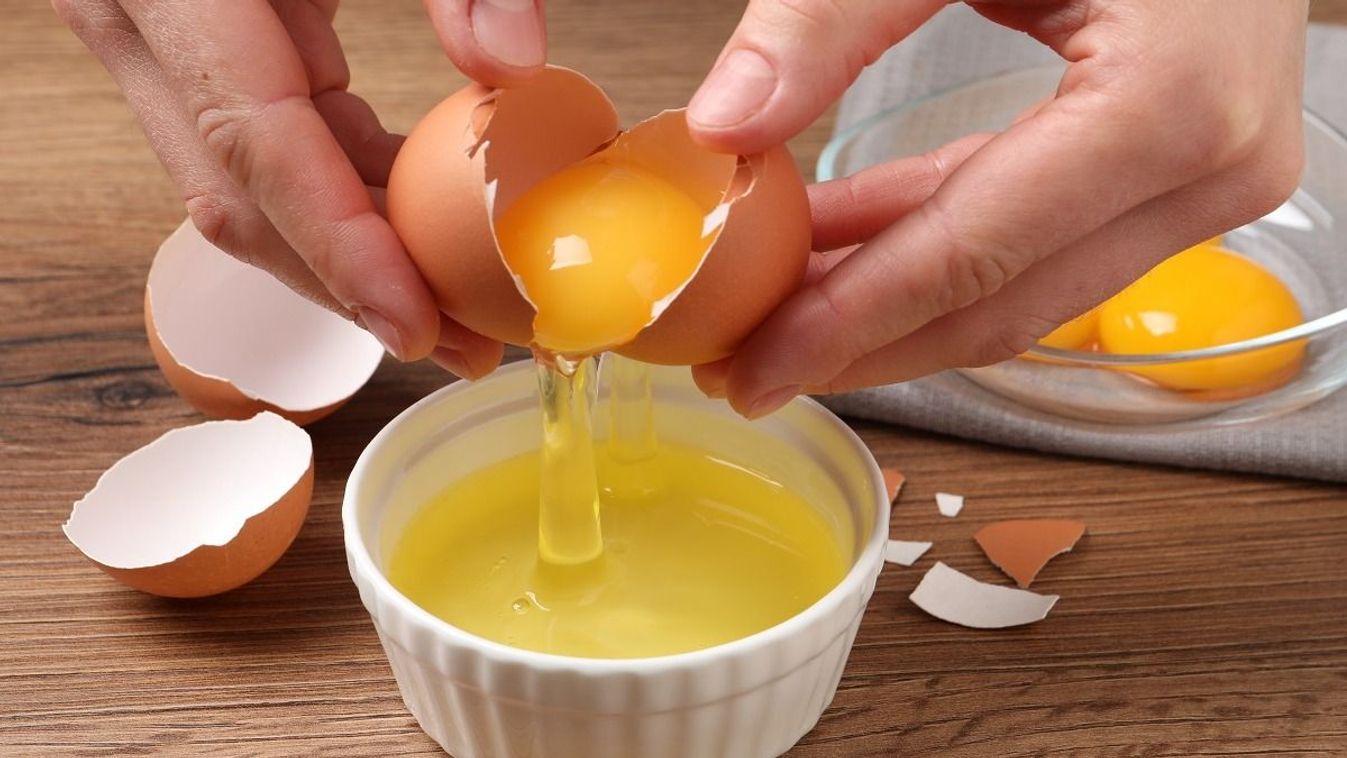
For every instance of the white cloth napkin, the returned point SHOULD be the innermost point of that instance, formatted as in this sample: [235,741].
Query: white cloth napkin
[959,46]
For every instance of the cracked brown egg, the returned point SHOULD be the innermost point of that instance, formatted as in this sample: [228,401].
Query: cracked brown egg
[537,222]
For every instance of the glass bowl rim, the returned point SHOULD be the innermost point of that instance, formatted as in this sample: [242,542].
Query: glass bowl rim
[825,169]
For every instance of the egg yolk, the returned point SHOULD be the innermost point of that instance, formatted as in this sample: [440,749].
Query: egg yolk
[1203,297]
[1078,333]
[597,246]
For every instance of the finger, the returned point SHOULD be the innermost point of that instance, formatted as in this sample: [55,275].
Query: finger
[475,356]
[788,61]
[310,28]
[370,148]
[710,377]
[1082,161]
[852,209]
[248,93]
[209,194]
[496,42]
[1079,277]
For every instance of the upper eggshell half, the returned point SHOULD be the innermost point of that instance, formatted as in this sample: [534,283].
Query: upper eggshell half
[474,154]
[202,509]
[234,341]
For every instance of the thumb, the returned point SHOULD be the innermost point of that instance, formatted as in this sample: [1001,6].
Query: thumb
[495,42]
[788,60]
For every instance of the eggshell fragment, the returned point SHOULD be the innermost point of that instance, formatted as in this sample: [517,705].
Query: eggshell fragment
[1023,547]
[893,482]
[200,510]
[905,553]
[234,341]
[949,505]
[953,596]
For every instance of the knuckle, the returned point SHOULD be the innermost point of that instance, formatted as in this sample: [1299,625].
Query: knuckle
[1281,165]
[975,267]
[231,129]
[214,218]
[224,131]
[833,311]
[1206,127]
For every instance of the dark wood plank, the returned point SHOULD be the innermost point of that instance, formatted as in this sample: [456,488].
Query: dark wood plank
[1204,614]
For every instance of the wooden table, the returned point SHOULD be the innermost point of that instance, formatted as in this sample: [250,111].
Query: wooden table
[1203,614]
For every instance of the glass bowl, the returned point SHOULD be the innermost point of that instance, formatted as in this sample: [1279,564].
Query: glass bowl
[1303,243]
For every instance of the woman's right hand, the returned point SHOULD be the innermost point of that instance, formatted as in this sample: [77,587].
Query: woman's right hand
[246,104]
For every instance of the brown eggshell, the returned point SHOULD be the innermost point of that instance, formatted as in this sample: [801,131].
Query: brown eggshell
[893,482]
[1021,548]
[757,261]
[471,156]
[210,570]
[233,341]
[215,397]
[201,510]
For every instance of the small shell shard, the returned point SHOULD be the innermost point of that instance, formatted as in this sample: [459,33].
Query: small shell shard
[953,596]
[905,553]
[949,505]
[1023,547]
[893,482]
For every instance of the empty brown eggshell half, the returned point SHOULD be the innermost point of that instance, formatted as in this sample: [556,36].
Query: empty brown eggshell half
[480,149]
[201,510]
[233,341]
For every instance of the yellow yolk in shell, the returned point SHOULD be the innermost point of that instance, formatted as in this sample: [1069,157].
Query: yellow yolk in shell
[597,246]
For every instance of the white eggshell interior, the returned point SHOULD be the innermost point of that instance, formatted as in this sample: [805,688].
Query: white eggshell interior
[955,597]
[193,486]
[227,320]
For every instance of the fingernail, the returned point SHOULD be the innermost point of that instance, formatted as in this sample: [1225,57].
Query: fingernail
[382,328]
[738,87]
[772,401]
[452,361]
[715,393]
[509,31]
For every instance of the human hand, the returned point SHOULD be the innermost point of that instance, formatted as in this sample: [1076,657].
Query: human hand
[1173,122]
[245,103]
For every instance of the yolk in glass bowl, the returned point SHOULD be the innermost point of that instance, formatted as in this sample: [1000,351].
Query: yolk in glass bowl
[1080,333]
[1203,297]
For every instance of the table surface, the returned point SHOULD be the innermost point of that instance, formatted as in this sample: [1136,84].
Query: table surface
[1204,613]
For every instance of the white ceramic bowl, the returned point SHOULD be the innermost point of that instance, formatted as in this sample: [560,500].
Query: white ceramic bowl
[480,699]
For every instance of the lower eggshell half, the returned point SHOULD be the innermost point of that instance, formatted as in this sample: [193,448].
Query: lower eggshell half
[215,397]
[210,570]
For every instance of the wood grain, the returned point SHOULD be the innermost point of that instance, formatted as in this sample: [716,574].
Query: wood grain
[1203,614]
